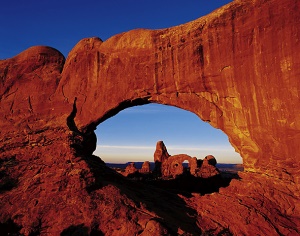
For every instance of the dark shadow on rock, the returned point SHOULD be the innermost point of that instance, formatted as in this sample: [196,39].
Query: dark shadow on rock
[157,169]
[137,176]
[7,181]
[165,198]
[101,173]
[223,232]
[78,230]
[10,228]
[95,231]
[186,183]
[170,208]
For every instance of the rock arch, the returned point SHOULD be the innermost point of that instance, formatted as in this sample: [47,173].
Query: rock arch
[211,67]
[173,165]
[236,68]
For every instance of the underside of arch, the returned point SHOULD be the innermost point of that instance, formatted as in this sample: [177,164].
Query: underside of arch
[215,67]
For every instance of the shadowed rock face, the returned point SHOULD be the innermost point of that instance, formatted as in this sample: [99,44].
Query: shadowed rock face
[236,68]
[208,168]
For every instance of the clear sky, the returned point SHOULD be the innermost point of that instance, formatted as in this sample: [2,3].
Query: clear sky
[132,134]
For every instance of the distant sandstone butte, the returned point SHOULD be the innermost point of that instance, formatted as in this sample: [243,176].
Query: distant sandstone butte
[237,68]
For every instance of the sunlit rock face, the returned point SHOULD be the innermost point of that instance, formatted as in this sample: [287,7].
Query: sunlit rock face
[236,68]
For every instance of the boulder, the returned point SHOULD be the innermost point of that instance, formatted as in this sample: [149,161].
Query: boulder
[211,160]
[208,168]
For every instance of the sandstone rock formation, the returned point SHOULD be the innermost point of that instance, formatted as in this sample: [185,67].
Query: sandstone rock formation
[161,153]
[130,169]
[211,160]
[145,168]
[172,166]
[208,169]
[236,68]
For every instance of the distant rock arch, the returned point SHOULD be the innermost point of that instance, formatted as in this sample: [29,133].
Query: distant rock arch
[173,165]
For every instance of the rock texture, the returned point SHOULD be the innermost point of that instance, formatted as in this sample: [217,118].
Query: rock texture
[208,169]
[130,169]
[161,153]
[236,68]
[169,167]
[145,168]
[173,165]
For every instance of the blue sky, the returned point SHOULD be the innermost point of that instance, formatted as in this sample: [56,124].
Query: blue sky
[132,134]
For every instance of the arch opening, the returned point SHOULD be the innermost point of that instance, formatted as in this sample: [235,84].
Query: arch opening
[186,166]
[131,135]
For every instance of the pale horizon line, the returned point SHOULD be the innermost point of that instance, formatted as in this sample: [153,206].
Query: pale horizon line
[208,148]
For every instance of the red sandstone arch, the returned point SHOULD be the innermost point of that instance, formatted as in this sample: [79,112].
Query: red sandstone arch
[173,165]
[219,67]
[236,68]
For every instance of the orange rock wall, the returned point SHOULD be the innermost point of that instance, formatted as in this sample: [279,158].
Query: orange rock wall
[236,68]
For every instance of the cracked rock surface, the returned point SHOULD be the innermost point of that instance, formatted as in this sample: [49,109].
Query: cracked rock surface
[236,68]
